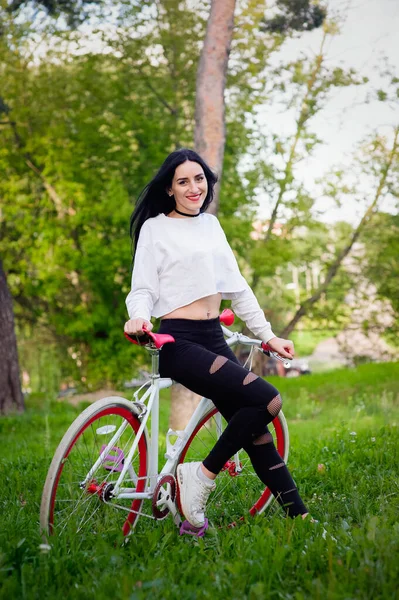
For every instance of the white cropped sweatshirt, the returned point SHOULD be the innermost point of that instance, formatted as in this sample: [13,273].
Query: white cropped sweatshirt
[178,261]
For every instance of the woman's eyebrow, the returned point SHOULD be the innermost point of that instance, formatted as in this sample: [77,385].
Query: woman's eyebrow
[183,178]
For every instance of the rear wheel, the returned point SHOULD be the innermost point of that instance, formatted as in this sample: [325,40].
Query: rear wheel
[74,502]
[239,491]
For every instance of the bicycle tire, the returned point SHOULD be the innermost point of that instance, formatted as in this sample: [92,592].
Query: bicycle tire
[64,498]
[234,492]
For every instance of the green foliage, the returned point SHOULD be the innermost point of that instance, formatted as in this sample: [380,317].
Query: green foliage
[85,134]
[82,134]
[381,240]
[75,11]
[83,130]
[294,236]
[343,456]
[295,15]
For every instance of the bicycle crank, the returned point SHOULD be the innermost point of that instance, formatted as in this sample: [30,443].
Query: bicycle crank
[163,499]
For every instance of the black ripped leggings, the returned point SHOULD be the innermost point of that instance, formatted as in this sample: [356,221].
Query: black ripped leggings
[201,360]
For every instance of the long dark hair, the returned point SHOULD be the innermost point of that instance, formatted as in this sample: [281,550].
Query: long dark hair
[154,198]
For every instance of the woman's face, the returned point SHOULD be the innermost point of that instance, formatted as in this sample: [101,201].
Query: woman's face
[189,187]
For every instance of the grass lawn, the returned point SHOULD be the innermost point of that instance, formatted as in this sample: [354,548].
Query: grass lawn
[344,458]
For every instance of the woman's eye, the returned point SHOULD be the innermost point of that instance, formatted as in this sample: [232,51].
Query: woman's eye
[199,178]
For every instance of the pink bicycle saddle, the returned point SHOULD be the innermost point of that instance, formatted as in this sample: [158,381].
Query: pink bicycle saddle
[159,339]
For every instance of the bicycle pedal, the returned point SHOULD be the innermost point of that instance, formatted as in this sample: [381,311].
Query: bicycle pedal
[114,460]
[189,529]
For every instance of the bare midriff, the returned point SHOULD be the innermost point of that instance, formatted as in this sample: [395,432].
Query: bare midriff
[202,309]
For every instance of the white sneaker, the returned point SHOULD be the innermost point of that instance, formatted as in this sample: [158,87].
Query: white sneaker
[193,492]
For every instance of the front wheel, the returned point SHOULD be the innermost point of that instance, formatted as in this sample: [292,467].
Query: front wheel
[77,501]
[239,490]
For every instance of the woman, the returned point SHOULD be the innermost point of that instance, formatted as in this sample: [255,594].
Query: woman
[183,268]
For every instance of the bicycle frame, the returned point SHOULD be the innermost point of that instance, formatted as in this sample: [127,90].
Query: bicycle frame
[148,405]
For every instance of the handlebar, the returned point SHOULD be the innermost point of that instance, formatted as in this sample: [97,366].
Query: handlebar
[269,352]
[247,341]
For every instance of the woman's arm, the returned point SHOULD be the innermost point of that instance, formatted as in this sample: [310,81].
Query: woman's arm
[247,308]
[145,285]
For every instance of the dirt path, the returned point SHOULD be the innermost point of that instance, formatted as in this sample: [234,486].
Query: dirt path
[94,396]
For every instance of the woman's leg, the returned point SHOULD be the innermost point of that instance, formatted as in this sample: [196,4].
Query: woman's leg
[252,401]
[273,472]
[246,401]
[267,462]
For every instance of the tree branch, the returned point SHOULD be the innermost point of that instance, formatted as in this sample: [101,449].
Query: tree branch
[173,111]
[302,118]
[31,164]
[333,269]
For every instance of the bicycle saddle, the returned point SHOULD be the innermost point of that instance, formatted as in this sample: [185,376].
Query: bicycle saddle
[159,339]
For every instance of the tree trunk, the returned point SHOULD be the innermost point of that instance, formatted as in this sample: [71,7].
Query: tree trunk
[11,397]
[210,137]
[210,129]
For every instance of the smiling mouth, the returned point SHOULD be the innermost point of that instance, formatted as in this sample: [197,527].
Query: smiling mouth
[194,198]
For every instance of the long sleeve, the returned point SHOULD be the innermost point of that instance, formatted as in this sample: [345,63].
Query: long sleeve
[246,306]
[179,261]
[244,302]
[145,281]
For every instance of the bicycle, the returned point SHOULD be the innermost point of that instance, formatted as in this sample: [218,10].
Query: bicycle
[106,465]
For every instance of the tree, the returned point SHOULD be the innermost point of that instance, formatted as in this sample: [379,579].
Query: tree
[381,241]
[304,85]
[75,11]
[11,397]
[210,127]
[295,15]
[80,136]
[382,162]
[210,136]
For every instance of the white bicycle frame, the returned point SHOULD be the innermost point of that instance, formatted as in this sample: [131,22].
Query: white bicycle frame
[148,405]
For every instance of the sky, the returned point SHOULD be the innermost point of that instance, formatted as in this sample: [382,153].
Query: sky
[369,31]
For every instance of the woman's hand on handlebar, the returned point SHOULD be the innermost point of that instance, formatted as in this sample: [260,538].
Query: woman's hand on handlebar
[135,326]
[283,347]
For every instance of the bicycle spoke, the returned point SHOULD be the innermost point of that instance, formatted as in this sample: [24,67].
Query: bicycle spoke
[84,514]
[236,491]
[76,507]
[87,499]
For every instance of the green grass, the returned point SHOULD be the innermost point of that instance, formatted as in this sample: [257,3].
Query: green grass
[346,421]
